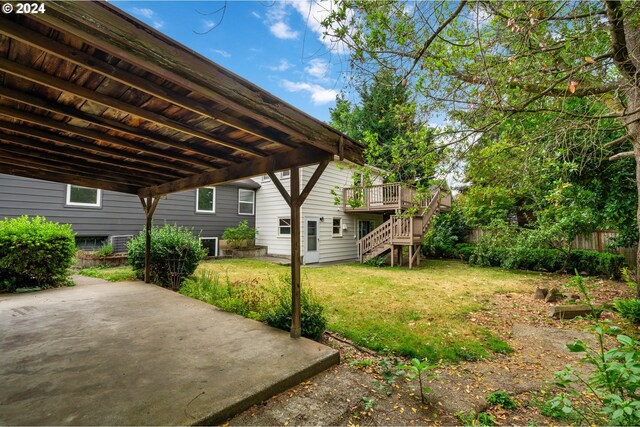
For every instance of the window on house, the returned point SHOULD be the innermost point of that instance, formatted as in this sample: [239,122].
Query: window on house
[206,199]
[246,201]
[284,226]
[210,244]
[266,178]
[83,196]
[285,174]
[337,227]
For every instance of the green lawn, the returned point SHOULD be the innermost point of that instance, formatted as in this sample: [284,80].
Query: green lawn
[419,312]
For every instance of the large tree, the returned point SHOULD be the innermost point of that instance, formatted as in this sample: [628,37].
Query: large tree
[481,63]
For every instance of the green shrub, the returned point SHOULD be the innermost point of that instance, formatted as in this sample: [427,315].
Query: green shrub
[313,320]
[376,261]
[239,236]
[34,252]
[596,263]
[175,254]
[447,230]
[464,251]
[105,250]
[629,309]
[503,399]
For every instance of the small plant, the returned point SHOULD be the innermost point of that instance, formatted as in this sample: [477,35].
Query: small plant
[369,403]
[240,236]
[417,369]
[313,320]
[376,261]
[503,399]
[362,363]
[472,418]
[629,308]
[105,250]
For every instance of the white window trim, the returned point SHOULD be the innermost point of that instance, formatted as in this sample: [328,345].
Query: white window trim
[253,203]
[266,178]
[215,246]
[86,205]
[214,201]
[339,227]
[290,226]
[283,176]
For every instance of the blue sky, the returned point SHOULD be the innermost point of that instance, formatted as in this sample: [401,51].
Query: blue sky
[275,44]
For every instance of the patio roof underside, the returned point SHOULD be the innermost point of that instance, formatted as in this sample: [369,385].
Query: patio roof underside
[93,97]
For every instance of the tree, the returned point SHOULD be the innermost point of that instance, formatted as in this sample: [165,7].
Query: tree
[385,121]
[482,63]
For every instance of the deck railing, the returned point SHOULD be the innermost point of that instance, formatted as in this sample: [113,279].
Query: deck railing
[383,197]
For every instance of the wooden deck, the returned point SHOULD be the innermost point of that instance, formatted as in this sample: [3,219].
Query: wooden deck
[380,198]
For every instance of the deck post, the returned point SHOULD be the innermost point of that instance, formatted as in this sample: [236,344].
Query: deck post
[149,205]
[295,254]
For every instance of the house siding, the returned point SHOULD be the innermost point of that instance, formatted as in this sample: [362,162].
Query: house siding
[119,213]
[319,204]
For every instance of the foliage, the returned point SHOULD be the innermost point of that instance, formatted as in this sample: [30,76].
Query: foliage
[464,251]
[267,302]
[420,369]
[240,236]
[476,419]
[629,309]
[376,261]
[34,252]
[113,274]
[105,250]
[615,377]
[503,399]
[175,254]
[313,319]
[446,231]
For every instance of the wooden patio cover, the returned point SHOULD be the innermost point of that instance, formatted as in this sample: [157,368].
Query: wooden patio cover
[93,97]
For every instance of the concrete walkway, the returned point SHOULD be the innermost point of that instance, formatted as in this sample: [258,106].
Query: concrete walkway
[128,353]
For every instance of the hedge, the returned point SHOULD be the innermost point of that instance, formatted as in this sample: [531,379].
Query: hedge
[590,262]
[34,252]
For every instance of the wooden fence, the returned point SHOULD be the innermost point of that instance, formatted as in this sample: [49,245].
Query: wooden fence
[596,241]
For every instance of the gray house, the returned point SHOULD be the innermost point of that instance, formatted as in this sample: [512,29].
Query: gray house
[99,216]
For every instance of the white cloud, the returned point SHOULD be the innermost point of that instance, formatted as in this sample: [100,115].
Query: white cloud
[283,31]
[222,53]
[313,12]
[256,14]
[208,24]
[148,15]
[318,68]
[319,94]
[284,65]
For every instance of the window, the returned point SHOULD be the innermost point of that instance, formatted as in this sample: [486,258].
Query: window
[285,174]
[83,196]
[336,231]
[265,178]
[210,244]
[284,226]
[246,201]
[206,200]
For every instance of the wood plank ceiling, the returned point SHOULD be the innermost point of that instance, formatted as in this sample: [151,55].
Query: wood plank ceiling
[91,96]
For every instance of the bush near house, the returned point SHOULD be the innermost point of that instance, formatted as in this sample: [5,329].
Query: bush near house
[240,236]
[34,252]
[175,254]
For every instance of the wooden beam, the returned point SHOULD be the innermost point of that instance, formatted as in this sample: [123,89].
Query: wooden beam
[280,161]
[149,205]
[312,181]
[115,33]
[283,191]
[66,164]
[54,107]
[65,178]
[296,323]
[48,147]
[99,136]
[79,57]
[50,81]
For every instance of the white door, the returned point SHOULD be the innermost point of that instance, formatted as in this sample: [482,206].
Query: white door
[312,246]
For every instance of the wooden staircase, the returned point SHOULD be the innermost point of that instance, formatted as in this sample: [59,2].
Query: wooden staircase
[402,230]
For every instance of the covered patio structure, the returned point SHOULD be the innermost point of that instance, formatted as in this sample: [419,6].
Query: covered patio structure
[91,96]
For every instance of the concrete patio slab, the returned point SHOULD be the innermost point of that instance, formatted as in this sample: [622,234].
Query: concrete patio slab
[129,353]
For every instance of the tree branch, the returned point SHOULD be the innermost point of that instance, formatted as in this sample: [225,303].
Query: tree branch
[617,141]
[621,155]
[618,39]
[433,36]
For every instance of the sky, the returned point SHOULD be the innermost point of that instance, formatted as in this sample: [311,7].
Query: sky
[277,45]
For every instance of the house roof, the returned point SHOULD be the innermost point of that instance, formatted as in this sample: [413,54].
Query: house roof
[91,96]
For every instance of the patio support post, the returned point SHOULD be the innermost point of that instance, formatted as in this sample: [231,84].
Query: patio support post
[295,198]
[149,205]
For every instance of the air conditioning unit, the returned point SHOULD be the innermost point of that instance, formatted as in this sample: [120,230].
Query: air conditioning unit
[119,243]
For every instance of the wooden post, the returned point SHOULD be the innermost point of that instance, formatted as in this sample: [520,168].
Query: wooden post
[149,205]
[295,254]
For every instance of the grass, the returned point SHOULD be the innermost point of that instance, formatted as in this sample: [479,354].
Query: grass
[114,274]
[416,313]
